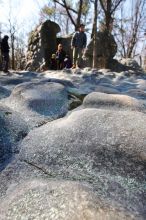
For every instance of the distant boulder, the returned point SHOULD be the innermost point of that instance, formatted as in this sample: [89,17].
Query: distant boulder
[106,49]
[41,44]
[129,62]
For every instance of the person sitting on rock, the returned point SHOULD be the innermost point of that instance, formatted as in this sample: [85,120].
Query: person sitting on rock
[53,65]
[60,56]
[67,62]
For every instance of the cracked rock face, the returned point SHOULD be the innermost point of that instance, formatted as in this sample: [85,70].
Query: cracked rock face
[60,200]
[102,147]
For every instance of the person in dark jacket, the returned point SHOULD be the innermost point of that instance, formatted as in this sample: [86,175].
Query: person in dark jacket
[60,56]
[78,44]
[67,62]
[5,53]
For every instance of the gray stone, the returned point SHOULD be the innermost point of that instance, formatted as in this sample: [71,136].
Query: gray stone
[57,200]
[131,63]
[8,82]
[137,93]
[106,89]
[141,84]
[15,173]
[39,102]
[105,148]
[44,38]
[125,85]
[113,101]
[4,92]
[106,49]
[12,131]
[102,144]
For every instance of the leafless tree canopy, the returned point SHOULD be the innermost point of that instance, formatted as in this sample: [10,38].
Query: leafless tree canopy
[109,7]
[136,26]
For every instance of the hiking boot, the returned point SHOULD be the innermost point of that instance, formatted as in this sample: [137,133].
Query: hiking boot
[74,66]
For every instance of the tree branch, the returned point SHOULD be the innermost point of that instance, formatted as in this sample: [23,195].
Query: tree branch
[116,5]
[69,8]
[102,5]
[69,15]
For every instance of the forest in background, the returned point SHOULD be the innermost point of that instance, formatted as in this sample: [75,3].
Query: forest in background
[125,19]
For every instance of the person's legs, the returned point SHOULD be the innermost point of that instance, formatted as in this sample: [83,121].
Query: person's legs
[58,64]
[5,62]
[75,55]
[79,57]
[1,61]
[61,64]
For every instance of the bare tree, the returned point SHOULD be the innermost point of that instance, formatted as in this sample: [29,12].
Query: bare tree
[73,14]
[20,53]
[109,7]
[12,31]
[139,11]
[47,12]
[94,65]
[58,14]
[12,27]
[136,24]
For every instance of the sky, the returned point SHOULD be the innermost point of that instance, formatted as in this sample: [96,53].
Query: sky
[25,13]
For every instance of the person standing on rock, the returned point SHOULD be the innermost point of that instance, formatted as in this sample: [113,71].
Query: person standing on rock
[78,44]
[0,53]
[5,53]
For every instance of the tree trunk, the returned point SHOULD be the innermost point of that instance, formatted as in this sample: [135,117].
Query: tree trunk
[13,54]
[78,12]
[67,26]
[108,17]
[94,65]
[79,15]
[109,7]
[0,52]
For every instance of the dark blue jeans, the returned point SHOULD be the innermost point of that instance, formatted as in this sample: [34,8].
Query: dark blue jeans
[5,61]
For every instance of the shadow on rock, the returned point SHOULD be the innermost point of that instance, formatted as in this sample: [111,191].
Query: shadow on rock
[12,131]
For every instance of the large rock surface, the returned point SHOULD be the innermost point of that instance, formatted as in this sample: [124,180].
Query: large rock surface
[38,102]
[60,200]
[94,145]
[4,92]
[97,150]
[12,130]
[113,101]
